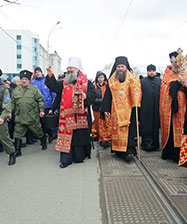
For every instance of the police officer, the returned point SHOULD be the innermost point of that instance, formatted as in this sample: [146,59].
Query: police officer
[5,110]
[29,106]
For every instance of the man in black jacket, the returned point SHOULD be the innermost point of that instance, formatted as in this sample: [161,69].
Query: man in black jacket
[101,129]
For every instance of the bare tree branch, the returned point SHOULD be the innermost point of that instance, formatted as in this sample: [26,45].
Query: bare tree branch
[10,2]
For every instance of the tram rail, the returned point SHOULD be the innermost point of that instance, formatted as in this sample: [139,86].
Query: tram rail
[132,194]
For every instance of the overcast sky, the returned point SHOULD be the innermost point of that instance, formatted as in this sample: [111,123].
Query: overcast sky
[97,31]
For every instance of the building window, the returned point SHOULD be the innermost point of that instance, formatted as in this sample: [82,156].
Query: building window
[18,56]
[35,49]
[19,66]
[18,37]
[35,40]
[18,47]
[34,58]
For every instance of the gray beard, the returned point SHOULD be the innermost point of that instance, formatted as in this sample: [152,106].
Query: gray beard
[121,77]
[71,77]
[175,70]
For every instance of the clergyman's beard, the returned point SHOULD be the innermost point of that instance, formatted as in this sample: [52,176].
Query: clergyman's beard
[71,77]
[121,77]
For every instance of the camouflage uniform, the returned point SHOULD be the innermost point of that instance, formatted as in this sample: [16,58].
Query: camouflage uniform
[27,102]
[5,110]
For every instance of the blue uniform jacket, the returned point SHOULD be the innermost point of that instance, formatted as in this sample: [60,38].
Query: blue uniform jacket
[48,95]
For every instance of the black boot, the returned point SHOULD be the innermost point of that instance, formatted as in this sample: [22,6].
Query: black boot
[18,147]
[29,140]
[104,144]
[34,140]
[127,156]
[23,145]
[51,138]
[43,142]
[64,165]
[12,159]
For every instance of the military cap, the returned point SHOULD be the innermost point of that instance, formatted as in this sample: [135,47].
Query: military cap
[25,73]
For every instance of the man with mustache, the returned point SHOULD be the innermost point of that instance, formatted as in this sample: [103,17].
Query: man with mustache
[77,94]
[28,104]
[123,93]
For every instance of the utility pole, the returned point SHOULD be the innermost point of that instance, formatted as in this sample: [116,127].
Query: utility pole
[50,31]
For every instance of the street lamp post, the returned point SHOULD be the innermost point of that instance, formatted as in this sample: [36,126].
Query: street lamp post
[50,31]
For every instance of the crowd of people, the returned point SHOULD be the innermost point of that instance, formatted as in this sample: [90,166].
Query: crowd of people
[113,111]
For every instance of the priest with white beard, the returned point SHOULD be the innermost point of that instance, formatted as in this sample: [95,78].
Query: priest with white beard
[77,94]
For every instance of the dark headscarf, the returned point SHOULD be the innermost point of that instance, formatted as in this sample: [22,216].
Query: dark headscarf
[121,60]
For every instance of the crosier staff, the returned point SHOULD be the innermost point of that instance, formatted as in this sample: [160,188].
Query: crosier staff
[135,73]
[138,135]
[181,61]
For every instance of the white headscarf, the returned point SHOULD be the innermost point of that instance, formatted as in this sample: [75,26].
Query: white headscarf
[76,63]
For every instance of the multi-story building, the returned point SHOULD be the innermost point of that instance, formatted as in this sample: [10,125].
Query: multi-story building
[44,58]
[55,62]
[20,49]
[50,59]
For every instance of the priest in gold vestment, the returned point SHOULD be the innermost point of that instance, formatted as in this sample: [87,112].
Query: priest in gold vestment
[122,95]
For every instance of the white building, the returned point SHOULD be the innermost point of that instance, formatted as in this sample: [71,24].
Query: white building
[43,58]
[54,61]
[20,49]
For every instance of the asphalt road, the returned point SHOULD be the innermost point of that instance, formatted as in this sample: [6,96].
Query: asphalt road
[36,191]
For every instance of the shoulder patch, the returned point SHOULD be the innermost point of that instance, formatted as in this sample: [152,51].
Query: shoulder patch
[7,99]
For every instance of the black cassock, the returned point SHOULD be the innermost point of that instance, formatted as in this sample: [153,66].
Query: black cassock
[80,146]
[149,115]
